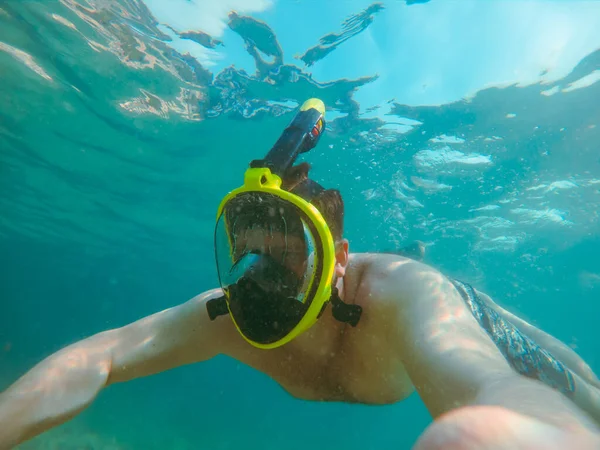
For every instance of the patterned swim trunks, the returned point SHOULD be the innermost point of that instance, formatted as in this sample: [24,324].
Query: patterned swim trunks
[521,352]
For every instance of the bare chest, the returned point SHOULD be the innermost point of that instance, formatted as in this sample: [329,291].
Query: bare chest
[356,365]
[358,372]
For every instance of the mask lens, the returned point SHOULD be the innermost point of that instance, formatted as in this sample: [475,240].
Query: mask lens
[266,255]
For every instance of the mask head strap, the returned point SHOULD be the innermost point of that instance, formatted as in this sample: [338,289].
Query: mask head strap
[217,307]
[308,189]
[342,312]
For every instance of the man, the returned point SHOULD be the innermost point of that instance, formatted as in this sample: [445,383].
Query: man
[328,325]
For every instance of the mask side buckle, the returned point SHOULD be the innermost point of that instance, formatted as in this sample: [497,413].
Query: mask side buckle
[343,312]
[217,307]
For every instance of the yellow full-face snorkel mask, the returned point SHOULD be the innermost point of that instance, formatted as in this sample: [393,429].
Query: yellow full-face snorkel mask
[274,251]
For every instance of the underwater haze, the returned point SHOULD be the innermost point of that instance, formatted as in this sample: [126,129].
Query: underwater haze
[472,126]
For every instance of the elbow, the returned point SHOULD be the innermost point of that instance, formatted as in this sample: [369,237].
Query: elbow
[100,354]
[87,363]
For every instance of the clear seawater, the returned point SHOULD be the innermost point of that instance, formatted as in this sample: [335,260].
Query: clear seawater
[472,126]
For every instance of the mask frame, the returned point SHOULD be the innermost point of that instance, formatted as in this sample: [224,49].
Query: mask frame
[261,179]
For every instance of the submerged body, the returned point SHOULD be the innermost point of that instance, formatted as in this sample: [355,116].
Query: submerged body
[416,333]
[372,362]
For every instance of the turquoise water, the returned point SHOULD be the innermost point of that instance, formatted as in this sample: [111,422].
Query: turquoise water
[123,123]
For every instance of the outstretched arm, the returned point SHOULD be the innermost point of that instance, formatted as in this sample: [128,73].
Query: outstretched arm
[65,383]
[453,362]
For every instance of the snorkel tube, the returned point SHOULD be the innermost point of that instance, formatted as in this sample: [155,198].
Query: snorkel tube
[267,308]
[301,135]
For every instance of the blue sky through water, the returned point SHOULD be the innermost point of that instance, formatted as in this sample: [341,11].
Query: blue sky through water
[424,54]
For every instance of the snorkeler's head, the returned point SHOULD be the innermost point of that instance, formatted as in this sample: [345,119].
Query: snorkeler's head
[278,242]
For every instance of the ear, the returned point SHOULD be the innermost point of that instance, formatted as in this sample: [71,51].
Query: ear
[341,257]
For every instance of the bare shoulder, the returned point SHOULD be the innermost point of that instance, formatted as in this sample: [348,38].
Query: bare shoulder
[176,336]
[389,287]
[421,296]
[392,278]
[447,355]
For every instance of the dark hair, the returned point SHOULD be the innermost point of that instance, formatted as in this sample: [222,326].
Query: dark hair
[329,202]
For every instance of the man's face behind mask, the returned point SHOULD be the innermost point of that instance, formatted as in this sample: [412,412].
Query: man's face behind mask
[289,251]
[267,261]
